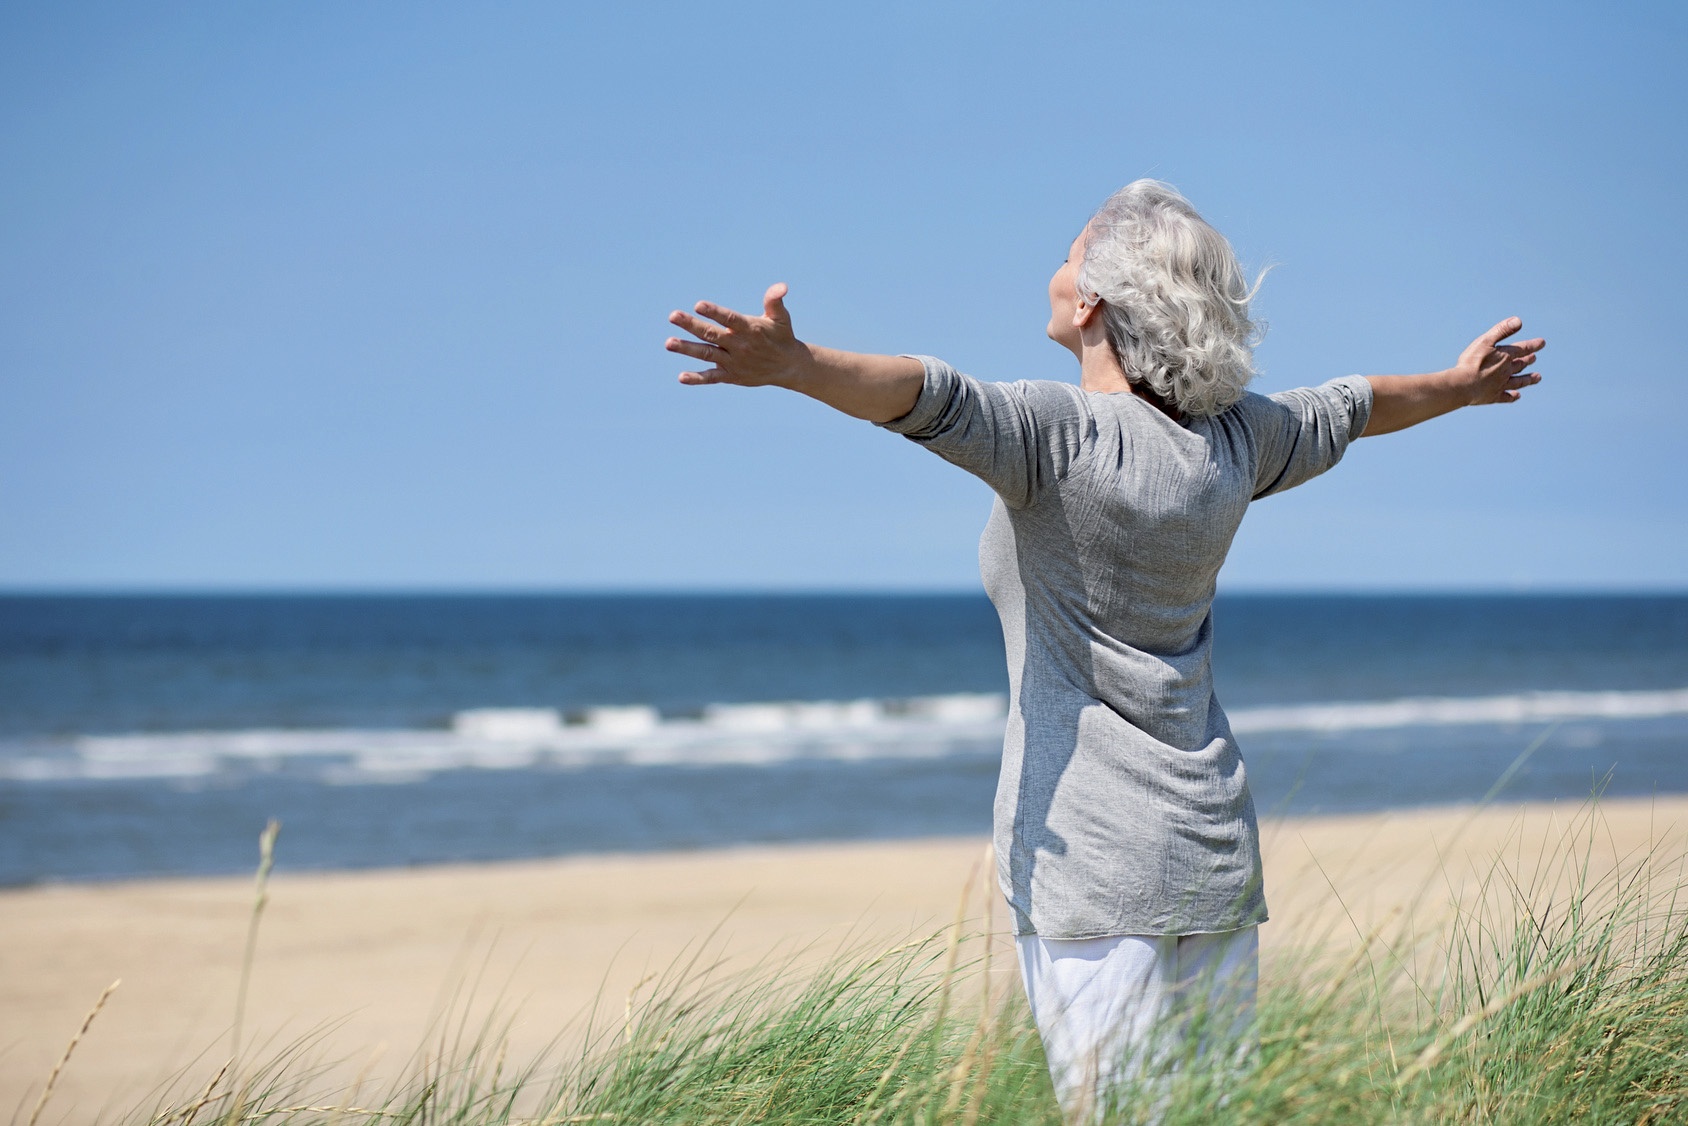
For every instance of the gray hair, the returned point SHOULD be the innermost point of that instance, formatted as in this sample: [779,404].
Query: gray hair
[1174,299]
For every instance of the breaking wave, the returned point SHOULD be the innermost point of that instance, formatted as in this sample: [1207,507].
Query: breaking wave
[720,734]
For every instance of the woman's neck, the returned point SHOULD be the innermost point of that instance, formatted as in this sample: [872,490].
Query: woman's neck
[1099,370]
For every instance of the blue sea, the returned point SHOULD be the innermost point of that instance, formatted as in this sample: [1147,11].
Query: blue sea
[144,736]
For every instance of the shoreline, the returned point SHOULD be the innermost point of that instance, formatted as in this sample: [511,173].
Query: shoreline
[283,871]
[376,952]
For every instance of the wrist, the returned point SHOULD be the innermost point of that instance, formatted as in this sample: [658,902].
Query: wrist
[802,371]
[1457,387]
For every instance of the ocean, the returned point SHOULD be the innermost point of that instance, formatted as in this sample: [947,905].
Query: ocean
[155,735]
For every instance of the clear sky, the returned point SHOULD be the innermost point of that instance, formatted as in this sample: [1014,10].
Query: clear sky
[373,295]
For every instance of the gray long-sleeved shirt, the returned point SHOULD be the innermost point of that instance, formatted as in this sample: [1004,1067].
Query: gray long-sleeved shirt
[1123,805]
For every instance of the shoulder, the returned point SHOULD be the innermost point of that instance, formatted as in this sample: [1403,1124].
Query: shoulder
[1246,419]
[1053,394]
[1253,405]
[1063,412]
[1298,404]
[1039,402]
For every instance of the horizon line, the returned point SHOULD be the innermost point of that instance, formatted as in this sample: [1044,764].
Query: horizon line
[349,590]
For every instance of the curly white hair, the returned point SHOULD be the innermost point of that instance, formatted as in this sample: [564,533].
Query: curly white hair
[1174,299]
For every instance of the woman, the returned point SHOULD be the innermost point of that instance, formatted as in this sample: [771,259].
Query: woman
[1125,837]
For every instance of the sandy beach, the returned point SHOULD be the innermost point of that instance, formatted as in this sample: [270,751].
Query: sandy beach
[366,962]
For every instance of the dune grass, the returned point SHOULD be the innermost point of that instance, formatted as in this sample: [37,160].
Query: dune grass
[1557,993]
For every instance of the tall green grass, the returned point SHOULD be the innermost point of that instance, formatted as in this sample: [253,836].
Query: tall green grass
[1558,993]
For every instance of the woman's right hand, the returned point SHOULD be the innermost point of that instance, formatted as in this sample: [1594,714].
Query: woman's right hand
[1491,372]
[1486,372]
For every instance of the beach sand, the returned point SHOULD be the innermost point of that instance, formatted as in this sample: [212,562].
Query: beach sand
[365,961]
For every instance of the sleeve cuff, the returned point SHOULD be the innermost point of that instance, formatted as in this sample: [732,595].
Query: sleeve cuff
[1357,389]
[935,393]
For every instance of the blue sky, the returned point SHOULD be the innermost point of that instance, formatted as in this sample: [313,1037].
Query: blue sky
[373,296]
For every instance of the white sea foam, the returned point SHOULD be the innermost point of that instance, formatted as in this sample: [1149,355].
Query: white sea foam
[635,720]
[1527,707]
[723,734]
[507,724]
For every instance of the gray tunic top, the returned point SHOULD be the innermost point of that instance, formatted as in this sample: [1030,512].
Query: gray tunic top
[1123,806]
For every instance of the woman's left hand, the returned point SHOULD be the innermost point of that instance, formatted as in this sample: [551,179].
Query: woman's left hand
[763,351]
[747,351]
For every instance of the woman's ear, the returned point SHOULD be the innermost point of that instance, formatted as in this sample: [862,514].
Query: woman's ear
[1086,312]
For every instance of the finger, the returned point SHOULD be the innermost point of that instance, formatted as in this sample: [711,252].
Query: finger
[1528,379]
[1500,332]
[773,304]
[1512,365]
[701,378]
[699,328]
[722,315]
[1526,350]
[693,349]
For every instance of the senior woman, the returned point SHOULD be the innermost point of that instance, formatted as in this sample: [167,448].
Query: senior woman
[1126,840]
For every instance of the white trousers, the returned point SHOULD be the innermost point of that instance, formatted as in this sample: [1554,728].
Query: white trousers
[1112,1010]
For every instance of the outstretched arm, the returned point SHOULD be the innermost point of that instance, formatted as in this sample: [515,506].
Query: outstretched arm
[1486,372]
[764,352]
